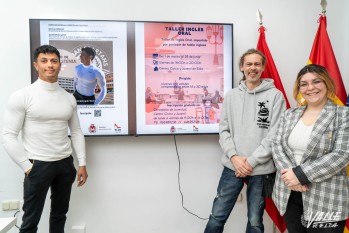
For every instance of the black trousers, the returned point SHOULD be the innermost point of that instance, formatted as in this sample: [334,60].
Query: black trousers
[59,176]
[83,99]
[296,224]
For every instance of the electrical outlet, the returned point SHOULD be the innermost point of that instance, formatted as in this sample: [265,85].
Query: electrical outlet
[14,205]
[5,205]
[78,229]
[11,205]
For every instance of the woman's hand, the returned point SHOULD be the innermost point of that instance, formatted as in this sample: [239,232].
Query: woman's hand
[289,178]
[299,188]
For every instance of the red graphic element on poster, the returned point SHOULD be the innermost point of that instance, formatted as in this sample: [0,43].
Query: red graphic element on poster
[92,128]
[153,38]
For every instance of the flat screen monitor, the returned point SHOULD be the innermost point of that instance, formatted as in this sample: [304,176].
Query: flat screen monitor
[183,71]
[146,78]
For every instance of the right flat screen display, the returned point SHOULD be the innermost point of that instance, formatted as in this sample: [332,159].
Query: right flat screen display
[183,71]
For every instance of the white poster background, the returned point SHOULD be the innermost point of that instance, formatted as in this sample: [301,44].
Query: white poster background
[97,119]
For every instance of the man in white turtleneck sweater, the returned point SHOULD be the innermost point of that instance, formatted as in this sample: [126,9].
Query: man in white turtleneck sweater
[43,112]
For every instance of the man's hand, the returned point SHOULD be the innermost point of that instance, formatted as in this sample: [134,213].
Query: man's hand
[27,172]
[242,167]
[82,176]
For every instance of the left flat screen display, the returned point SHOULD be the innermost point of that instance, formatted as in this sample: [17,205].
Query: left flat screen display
[106,79]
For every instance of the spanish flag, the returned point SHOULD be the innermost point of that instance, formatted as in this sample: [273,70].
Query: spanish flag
[270,71]
[322,54]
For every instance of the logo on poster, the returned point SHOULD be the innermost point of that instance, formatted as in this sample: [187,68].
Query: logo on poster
[172,129]
[92,128]
[117,128]
[195,129]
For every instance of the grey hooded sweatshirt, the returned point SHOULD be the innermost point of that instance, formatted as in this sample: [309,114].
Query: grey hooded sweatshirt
[249,121]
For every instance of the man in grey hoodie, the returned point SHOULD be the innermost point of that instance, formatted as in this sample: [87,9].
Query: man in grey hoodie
[249,119]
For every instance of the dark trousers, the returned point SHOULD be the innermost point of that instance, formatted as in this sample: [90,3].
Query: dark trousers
[295,222]
[83,99]
[59,176]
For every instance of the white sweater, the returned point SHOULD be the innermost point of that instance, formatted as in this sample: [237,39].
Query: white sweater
[299,139]
[42,112]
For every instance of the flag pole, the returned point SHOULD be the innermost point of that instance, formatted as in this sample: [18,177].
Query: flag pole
[270,71]
[259,17]
[323,4]
[260,21]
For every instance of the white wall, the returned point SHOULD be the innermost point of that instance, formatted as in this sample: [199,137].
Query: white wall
[133,180]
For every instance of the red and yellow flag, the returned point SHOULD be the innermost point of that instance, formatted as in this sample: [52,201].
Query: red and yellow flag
[322,54]
[270,71]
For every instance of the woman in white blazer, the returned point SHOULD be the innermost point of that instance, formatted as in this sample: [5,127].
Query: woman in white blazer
[311,153]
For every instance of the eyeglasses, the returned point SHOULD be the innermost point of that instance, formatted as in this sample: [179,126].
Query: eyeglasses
[315,83]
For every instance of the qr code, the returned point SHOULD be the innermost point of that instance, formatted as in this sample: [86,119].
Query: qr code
[98,113]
